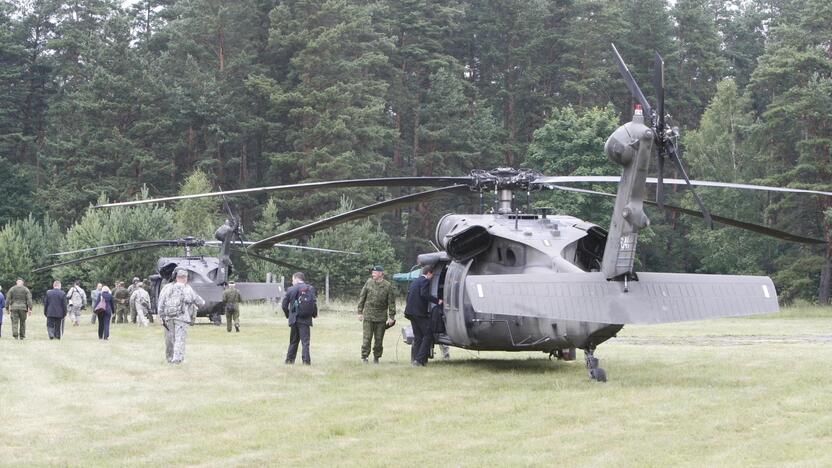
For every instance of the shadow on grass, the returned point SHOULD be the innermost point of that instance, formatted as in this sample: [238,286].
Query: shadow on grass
[524,366]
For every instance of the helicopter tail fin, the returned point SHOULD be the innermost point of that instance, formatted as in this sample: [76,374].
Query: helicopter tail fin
[652,298]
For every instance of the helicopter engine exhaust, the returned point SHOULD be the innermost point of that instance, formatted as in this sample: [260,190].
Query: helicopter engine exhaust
[469,243]
[460,239]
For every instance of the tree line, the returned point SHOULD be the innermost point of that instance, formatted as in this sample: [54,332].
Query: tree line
[101,99]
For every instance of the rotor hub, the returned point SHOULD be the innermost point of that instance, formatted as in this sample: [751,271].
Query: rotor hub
[504,178]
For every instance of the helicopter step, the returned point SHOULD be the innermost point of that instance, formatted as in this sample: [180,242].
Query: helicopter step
[595,373]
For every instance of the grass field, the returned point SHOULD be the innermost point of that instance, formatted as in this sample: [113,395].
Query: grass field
[733,392]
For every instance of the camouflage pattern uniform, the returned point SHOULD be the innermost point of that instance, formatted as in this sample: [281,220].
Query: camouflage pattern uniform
[231,299]
[77,298]
[19,303]
[140,303]
[177,305]
[122,298]
[130,290]
[376,302]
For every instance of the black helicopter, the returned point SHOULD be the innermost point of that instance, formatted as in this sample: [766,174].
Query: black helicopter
[207,275]
[517,281]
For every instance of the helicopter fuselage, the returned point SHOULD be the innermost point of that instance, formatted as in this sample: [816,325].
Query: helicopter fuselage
[512,244]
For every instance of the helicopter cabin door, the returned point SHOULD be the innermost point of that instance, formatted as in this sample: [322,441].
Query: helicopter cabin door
[453,293]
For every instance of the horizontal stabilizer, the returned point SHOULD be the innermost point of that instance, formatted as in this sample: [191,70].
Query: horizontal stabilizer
[654,298]
[249,291]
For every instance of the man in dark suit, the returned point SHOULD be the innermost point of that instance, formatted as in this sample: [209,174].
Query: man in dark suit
[300,325]
[417,311]
[54,308]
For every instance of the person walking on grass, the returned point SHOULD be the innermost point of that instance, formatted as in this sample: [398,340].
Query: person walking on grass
[19,305]
[178,304]
[104,309]
[55,309]
[377,311]
[94,295]
[77,300]
[231,303]
[300,307]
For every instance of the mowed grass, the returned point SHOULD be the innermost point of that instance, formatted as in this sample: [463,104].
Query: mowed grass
[734,392]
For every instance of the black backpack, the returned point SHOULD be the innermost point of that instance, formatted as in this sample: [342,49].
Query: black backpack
[306,306]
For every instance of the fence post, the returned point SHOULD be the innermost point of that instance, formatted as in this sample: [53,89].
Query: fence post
[327,288]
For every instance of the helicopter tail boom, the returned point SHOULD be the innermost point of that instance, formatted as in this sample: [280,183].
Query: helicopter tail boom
[653,298]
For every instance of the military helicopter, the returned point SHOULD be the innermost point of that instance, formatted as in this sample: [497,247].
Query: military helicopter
[517,281]
[207,275]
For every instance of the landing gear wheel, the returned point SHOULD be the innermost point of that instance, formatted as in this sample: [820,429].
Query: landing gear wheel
[595,373]
[598,374]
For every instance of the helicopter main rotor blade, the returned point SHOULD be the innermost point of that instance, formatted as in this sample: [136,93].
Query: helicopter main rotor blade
[357,214]
[269,259]
[652,180]
[290,246]
[379,182]
[93,257]
[767,231]
[58,254]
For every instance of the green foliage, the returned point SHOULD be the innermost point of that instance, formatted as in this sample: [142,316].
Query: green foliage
[197,217]
[571,143]
[102,227]
[267,225]
[24,245]
[349,272]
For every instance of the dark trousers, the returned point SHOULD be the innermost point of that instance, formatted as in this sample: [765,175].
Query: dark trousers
[422,339]
[300,333]
[53,327]
[104,325]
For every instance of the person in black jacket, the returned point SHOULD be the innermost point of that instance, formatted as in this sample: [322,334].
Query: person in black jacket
[105,315]
[300,325]
[54,308]
[417,311]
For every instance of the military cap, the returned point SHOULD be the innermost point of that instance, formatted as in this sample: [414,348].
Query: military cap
[377,268]
[136,279]
[181,272]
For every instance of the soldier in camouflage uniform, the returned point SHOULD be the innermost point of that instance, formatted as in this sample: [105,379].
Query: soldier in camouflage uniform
[130,290]
[77,299]
[231,302]
[177,308]
[19,305]
[140,303]
[122,298]
[377,311]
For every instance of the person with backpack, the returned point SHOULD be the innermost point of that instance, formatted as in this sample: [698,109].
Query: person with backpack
[300,307]
[77,300]
[177,306]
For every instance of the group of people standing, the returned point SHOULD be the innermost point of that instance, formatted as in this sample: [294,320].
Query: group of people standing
[178,304]
[58,306]
[376,311]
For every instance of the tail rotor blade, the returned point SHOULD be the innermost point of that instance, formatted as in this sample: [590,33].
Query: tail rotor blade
[631,83]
